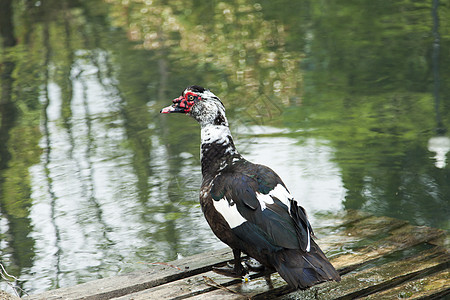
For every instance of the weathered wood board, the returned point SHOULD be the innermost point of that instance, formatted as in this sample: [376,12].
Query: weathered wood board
[377,257]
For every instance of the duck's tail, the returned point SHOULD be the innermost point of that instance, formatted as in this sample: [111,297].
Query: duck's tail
[301,269]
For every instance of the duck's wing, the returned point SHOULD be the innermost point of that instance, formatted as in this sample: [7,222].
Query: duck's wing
[259,209]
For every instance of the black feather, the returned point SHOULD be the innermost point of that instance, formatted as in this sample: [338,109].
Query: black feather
[301,224]
[304,269]
[196,88]
[260,239]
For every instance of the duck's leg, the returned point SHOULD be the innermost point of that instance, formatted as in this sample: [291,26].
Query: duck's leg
[238,268]
[232,270]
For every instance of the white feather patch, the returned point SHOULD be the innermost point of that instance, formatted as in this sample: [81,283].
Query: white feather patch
[263,200]
[229,212]
[215,134]
[308,246]
[279,192]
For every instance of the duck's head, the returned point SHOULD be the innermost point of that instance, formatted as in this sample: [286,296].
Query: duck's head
[199,103]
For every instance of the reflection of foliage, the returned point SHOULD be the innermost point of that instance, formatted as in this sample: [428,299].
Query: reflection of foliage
[18,148]
[16,192]
[239,54]
[368,90]
[377,49]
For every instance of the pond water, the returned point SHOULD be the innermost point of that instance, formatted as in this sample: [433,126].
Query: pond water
[348,102]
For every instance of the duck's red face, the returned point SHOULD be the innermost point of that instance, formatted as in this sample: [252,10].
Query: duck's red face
[182,104]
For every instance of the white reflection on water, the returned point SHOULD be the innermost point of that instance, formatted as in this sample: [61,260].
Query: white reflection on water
[441,146]
[80,189]
[88,220]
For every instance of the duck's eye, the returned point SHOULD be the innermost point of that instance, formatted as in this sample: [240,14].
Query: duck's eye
[191,98]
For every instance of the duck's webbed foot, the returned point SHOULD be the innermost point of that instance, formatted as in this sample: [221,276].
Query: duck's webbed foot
[231,270]
[254,265]
[236,269]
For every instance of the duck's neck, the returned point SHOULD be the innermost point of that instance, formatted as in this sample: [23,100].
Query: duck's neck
[217,149]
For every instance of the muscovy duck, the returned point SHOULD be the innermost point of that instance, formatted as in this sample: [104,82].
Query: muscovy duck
[247,206]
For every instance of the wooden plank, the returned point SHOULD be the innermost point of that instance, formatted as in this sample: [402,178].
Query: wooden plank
[398,239]
[196,285]
[435,286]
[262,287]
[364,238]
[370,281]
[202,286]
[6,296]
[379,278]
[184,288]
[352,242]
[410,237]
[117,286]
